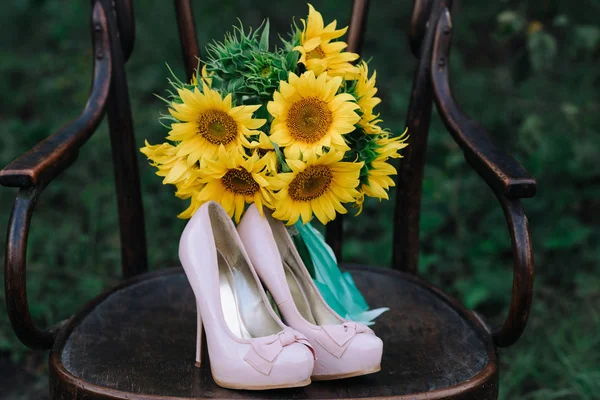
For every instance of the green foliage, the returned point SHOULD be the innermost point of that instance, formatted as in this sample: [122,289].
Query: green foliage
[243,65]
[363,148]
[538,95]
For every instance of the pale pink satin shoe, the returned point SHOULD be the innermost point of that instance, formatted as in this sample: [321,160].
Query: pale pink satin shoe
[344,348]
[248,345]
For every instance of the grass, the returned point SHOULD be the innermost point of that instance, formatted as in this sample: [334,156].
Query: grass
[537,93]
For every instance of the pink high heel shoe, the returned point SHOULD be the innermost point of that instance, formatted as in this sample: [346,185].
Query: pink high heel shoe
[344,348]
[248,345]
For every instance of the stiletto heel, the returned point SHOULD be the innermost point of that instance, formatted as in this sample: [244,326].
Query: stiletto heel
[250,348]
[199,338]
[343,348]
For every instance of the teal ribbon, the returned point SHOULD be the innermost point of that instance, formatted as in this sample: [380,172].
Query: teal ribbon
[337,287]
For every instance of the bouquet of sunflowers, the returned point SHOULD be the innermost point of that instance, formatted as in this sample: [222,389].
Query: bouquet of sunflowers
[292,128]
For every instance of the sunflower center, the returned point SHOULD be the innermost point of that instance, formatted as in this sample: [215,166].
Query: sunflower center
[309,120]
[217,127]
[240,181]
[317,52]
[310,183]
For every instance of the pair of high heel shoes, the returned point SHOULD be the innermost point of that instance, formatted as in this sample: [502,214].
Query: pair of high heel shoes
[249,346]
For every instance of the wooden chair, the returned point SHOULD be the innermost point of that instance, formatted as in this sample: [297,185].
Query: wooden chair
[137,340]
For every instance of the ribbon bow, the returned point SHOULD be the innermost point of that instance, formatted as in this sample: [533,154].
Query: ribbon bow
[264,350]
[336,338]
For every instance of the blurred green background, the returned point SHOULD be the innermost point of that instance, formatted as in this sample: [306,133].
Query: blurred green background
[528,70]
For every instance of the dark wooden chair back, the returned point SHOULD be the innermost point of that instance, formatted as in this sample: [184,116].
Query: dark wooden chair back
[113,33]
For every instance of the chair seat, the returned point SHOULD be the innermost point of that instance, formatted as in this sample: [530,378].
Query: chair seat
[138,342]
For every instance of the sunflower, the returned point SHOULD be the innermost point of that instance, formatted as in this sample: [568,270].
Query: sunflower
[389,147]
[209,121]
[264,147]
[365,93]
[317,52]
[204,75]
[164,157]
[189,189]
[318,185]
[175,171]
[234,181]
[378,180]
[191,185]
[308,115]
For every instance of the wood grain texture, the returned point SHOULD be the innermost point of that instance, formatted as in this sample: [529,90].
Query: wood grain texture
[33,171]
[501,171]
[138,343]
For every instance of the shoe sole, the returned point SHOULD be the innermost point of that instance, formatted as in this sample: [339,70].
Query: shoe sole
[263,387]
[344,376]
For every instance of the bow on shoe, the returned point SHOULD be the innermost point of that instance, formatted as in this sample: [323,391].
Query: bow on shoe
[336,338]
[264,350]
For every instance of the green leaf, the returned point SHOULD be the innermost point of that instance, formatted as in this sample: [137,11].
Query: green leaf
[291,59]
[264,37]
[281,158]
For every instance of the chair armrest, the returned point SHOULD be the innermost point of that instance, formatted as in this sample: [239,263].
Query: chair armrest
[523,273]
[501,171]
[503,174]
[55,153]
[34,170]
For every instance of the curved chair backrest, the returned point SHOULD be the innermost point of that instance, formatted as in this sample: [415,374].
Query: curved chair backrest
[113,36]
